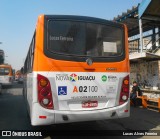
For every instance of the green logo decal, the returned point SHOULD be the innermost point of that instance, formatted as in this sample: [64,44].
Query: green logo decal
[104,78]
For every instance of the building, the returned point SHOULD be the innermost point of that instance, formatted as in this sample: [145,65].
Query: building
[143,23]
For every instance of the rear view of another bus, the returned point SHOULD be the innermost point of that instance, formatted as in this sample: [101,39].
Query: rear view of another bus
[6,75]
[77,69]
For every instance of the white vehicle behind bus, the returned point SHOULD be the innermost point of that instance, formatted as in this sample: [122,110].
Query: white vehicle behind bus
[6,75]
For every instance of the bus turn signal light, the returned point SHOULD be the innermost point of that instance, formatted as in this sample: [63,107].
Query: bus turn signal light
[43,82]
[126,82]
[44,92]
[124,94]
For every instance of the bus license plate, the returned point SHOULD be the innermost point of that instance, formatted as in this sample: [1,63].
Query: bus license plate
[89,104]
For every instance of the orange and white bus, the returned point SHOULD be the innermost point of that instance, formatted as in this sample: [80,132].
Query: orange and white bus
[6,75]
[76,69]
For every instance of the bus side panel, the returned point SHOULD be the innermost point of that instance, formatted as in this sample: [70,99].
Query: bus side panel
[29,91]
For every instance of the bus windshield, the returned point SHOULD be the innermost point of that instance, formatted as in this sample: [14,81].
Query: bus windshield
[84,38]
[4,71]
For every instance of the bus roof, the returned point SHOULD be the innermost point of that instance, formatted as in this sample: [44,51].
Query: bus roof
[82,18]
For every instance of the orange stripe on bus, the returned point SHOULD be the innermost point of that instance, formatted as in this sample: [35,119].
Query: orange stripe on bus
[43,63]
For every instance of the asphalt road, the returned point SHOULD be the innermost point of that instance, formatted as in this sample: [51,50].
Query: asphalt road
[13,116]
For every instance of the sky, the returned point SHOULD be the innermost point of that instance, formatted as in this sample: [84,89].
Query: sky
[18,20]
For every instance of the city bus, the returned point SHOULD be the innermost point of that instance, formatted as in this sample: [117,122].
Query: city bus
[6,75]
[76,69]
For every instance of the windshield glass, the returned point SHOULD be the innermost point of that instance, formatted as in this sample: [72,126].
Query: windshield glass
[4,71]
[84,39]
